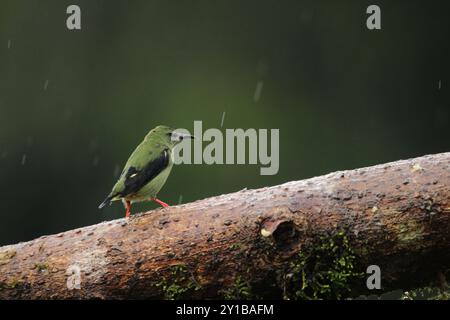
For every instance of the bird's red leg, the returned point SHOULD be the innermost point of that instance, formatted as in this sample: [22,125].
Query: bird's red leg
[160,202]
[128,211]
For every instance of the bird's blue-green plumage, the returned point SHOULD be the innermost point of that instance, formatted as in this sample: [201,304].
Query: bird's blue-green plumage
[148,167]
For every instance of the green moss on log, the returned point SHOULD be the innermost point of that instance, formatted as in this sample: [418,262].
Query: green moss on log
[324,272]
[181,284]
[240,290]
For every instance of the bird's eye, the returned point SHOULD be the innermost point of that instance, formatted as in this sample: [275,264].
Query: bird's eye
[181,138]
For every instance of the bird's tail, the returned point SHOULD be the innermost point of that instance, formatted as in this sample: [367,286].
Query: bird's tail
[105,202]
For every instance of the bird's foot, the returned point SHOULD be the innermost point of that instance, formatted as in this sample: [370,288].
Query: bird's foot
[128,211]
[163,204]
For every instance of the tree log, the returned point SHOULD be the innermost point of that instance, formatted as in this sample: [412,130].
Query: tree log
[309,238]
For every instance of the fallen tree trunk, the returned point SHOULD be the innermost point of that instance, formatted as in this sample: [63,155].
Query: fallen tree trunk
[310,238]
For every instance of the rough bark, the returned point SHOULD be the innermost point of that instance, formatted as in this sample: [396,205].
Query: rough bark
[248,243]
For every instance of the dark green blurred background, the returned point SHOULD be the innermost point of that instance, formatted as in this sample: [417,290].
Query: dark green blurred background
[74,104]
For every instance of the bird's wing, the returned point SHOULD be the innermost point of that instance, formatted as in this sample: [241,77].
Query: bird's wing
[140,171]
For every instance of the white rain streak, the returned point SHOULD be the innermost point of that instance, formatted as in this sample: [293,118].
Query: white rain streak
[180,199]
[439,85]
[258,90]
[223,118]
[9,44]
[45,84]
[24,159]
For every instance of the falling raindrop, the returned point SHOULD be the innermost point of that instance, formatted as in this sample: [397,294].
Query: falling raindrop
[223,118]
[258,90]
[9,44]
[180,199]
[439,85]
[45,84]
[24,159]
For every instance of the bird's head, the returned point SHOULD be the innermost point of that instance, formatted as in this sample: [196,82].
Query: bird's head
[168,135]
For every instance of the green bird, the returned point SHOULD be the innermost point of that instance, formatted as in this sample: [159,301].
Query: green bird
[147,169]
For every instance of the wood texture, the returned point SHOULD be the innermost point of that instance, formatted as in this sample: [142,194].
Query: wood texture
[395,215]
